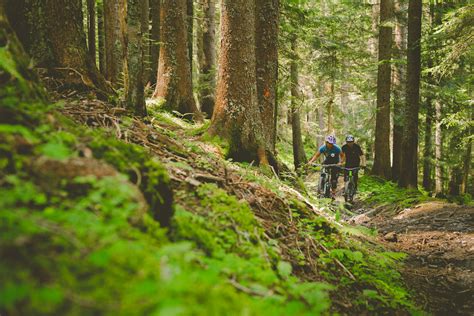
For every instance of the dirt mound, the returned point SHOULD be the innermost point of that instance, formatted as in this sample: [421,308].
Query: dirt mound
[439,239]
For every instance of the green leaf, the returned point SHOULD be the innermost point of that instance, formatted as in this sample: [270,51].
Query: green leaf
[56,150]
[284,269]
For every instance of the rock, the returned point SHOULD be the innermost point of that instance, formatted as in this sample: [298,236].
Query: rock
[360,219]
[391,236]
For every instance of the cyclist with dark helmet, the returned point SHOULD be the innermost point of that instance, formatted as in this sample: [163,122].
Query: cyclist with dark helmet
[352,158]
[332,155]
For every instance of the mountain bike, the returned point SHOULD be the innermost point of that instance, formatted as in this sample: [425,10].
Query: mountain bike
[349,185]
[324,188]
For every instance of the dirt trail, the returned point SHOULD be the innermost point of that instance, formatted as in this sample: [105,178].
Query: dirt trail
[439,239]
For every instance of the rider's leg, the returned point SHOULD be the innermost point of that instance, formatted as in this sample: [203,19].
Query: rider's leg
[356,178]
[334,176]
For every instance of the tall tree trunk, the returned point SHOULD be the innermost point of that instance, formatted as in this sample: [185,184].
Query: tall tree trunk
[154,39]
[438,150]
[399,84]
[91,29]
[329,87]
[409,174]
[428,149]
[174,83]
[136,46]
[382,166]
[266,40]
[207,56]
[428,152]
[299,157]
[114,49]
[101,37]
[14,54]
[190,26]
[466,167]
[321,124]
[54,34]
[236,115]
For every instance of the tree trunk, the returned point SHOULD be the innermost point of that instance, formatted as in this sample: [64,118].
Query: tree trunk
[428,149]
[266,40]
[409,174]
[236,115]
[207,56]
[114,49]
[466,167]
[299,157]
[189,25]
[53,33]
[136,46]
[101,37]
[428,152]
[329,87]
[382,126]
[91,29]
[154,39]
[438,149]
[20,78]
[174,74]
[399,84]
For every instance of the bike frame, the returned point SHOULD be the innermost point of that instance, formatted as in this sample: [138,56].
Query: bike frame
[349,191]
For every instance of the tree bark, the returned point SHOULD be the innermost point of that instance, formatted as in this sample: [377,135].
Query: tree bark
[190,26]
[438,150]
[466,167]
[114,49]
[299,157]
[409,167]
[101,37]
[329,87]
[174,83]
[154,39]
[382,166]
[428,152]
[236,115]
[136,46]
[53,33]
[266,40]
[399,84]
[207,56]
[91,29]
[22,80]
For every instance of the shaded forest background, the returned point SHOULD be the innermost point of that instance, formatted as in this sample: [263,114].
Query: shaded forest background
[318,68]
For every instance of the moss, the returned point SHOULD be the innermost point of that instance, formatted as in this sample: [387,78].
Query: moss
[150,176]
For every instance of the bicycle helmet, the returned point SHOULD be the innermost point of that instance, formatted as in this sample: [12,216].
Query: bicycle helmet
[349,138]
[331,139]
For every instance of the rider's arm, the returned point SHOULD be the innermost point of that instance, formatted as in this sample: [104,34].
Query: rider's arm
[315,157]
[343,158]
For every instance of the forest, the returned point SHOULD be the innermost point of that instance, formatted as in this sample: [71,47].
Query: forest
[236,157]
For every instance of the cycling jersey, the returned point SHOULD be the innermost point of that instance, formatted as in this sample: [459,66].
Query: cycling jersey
[332,154]
[353,154]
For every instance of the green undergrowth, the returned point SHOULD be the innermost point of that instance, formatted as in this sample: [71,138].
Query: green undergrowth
[78,242]
[373,190]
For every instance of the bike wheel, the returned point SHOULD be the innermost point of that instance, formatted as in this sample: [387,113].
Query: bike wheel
[327,190]
[350,191]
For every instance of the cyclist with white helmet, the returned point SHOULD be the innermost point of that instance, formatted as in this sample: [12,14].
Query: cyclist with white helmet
[352,158]
[332,155]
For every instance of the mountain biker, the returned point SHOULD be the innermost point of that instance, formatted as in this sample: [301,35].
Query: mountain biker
[352,158]
[332,154]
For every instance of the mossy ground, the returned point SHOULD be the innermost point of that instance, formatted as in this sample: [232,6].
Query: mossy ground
[226,239]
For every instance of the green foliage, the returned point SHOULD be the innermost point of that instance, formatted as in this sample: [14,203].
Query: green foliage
[378,191]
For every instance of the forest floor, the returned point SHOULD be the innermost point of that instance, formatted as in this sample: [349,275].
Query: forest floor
[437,236]
[439,239]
